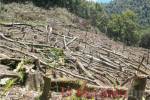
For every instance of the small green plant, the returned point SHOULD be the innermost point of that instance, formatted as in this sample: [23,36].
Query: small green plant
[56,55]
[21,70]
[9,84]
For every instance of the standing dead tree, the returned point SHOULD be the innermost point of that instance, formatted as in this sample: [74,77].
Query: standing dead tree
[49,31]
[148,53]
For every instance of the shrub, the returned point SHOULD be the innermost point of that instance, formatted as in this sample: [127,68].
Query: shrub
[145,40]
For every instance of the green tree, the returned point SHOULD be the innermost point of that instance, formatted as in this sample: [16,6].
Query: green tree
[140,7]
[115,26]
[130,28]
[123,27]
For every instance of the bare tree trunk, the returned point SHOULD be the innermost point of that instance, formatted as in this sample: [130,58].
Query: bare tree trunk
[49,31]
[147,97]
[148,56]
[137,88]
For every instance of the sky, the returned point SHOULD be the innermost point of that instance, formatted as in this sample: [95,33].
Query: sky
[101,1]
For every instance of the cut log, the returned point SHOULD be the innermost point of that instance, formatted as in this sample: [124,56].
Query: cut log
[137,88]
[5,73]
[23,44]
[80,65]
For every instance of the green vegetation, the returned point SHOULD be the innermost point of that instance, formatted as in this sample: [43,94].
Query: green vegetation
[21,77]
[140,7]
[9,84]
[142,10]
[123,27]
[56,57]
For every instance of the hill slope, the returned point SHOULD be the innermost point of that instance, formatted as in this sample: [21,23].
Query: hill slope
[74,52]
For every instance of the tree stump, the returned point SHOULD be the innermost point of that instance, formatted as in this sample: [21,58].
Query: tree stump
[137,88]
[147,97]
[46,94]
[34,81]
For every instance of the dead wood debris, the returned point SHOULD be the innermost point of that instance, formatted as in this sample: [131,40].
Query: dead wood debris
[98,65]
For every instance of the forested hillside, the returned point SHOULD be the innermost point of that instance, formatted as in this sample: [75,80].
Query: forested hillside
[139,11]
[140,7]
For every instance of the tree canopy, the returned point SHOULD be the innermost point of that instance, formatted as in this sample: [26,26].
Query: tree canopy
[140,7]
[123,27]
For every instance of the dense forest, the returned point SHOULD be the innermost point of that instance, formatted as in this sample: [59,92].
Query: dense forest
[141,9]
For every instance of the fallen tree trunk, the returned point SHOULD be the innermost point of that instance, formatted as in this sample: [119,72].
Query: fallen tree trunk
[80,65]
[6,73]
[45,64]
[76,84]
[23,43]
